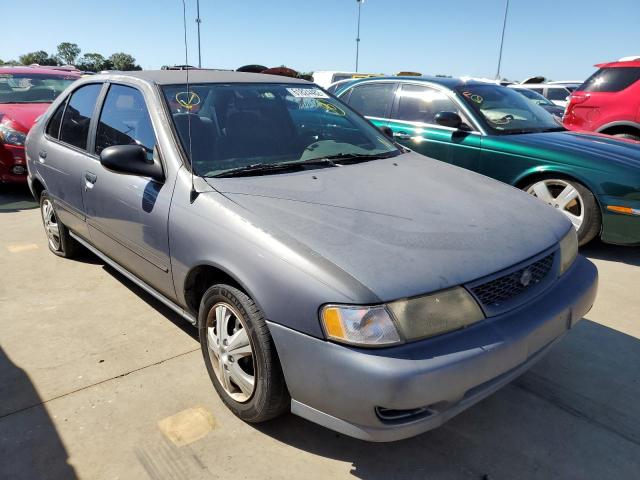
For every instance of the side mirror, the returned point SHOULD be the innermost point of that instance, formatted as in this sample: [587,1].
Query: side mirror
[387,131]
[131,159]
[448,119]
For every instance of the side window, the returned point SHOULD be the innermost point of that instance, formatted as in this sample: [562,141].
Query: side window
[417,103]
[372,100]
[53,129]
[557,94]
[77,116]
[124,120]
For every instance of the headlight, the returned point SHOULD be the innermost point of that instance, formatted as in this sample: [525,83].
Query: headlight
[402,320]
[437,313]
[359,325]
[568,250]
[10,136]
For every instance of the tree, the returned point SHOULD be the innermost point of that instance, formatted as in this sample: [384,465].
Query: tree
[123,61]
[93,62]
[40,57]
[68,52]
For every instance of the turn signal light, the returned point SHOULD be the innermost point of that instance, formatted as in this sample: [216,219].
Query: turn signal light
[625,210]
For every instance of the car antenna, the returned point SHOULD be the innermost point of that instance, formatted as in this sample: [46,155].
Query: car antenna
[194,193]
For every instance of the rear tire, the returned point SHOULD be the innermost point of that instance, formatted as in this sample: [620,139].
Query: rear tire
[58,238]
[582,208]
[240,355]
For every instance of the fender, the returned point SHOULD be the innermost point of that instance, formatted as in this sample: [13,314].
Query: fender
[619,123]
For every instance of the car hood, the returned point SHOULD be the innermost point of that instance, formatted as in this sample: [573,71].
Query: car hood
[568,146]
[22,115]
[401,226]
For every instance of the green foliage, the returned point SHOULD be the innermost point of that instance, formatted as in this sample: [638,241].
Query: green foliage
[93,62]
[40,57]
[68,52]
[123,61]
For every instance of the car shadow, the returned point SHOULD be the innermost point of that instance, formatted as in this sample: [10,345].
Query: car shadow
[613,253]
[529,429]
[30,446]
[14,198]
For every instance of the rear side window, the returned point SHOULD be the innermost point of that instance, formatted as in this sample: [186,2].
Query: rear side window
[611,79]
[373,100]
[53,129]
[77,116]
[124,120]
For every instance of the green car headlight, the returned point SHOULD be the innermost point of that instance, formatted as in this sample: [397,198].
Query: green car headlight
[568,250]
[437,313]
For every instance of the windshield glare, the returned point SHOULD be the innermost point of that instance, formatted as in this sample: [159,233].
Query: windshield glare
[32,88]
[237,125]
[505,110]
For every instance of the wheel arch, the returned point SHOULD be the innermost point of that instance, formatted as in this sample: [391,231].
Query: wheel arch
[37,187]
[532,176]
[204,275]
[614,128]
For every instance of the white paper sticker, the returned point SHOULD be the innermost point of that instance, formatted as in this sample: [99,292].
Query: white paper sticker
[307,93]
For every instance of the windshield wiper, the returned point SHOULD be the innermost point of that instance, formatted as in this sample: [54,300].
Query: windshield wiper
[351,158]
[269,168]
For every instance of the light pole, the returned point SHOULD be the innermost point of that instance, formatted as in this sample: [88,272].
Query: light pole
[504,26]
[359,2]
[198,21]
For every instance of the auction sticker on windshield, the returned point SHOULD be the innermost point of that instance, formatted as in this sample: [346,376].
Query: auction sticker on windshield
[307,93]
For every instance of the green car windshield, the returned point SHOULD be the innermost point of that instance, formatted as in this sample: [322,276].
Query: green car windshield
[32,88]
[507,111]
[226,127]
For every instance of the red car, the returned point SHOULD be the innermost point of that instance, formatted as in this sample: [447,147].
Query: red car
[25,94]
[608,102]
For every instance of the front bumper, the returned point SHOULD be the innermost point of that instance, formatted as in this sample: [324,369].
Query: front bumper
[341,387]
[620,228]
[13,167]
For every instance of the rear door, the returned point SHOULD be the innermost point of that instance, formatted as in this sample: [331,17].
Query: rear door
[63,155]
[413,124]
[128,214]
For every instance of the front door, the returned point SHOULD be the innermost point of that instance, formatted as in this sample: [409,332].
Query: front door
[413,125]
[373,100]
[128,214]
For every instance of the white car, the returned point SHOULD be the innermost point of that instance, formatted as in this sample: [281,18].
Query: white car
[557,93]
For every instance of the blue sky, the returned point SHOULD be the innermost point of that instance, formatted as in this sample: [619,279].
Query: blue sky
[558,39]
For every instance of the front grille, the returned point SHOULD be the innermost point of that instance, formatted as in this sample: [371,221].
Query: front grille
[507,287]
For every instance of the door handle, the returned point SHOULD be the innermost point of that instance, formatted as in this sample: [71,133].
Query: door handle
[401,135]
[89,180]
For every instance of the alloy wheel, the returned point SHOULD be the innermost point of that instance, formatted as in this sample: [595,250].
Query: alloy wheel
[561,195]
[51,226]
[230,352]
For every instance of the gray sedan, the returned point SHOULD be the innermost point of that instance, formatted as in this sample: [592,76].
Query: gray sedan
[330,271]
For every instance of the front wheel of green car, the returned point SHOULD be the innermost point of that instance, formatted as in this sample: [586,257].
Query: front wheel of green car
[574,200]
[240,355]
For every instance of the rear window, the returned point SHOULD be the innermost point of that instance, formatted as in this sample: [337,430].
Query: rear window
[611,79]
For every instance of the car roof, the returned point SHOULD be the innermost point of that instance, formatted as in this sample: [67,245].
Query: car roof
[170,77]
[39,71]
[622,64]
[447,82]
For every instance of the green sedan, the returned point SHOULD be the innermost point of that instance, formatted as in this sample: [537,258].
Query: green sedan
[594,179]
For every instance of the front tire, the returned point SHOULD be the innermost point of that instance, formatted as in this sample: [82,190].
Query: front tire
[574,200]
[240,355]
[58,238]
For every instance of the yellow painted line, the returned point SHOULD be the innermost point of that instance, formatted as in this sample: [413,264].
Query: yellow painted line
[187,426]
[25,247]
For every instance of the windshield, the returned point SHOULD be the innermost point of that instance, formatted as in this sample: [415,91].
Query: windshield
[241,125]
[31,87]
[507,111]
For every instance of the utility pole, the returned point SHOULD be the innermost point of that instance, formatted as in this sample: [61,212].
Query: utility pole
[198,21]
[360,2]
[504,26]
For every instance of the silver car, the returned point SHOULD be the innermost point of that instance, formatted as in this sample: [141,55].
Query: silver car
[330,272]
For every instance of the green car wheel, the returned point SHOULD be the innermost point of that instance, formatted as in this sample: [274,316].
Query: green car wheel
[574,200]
